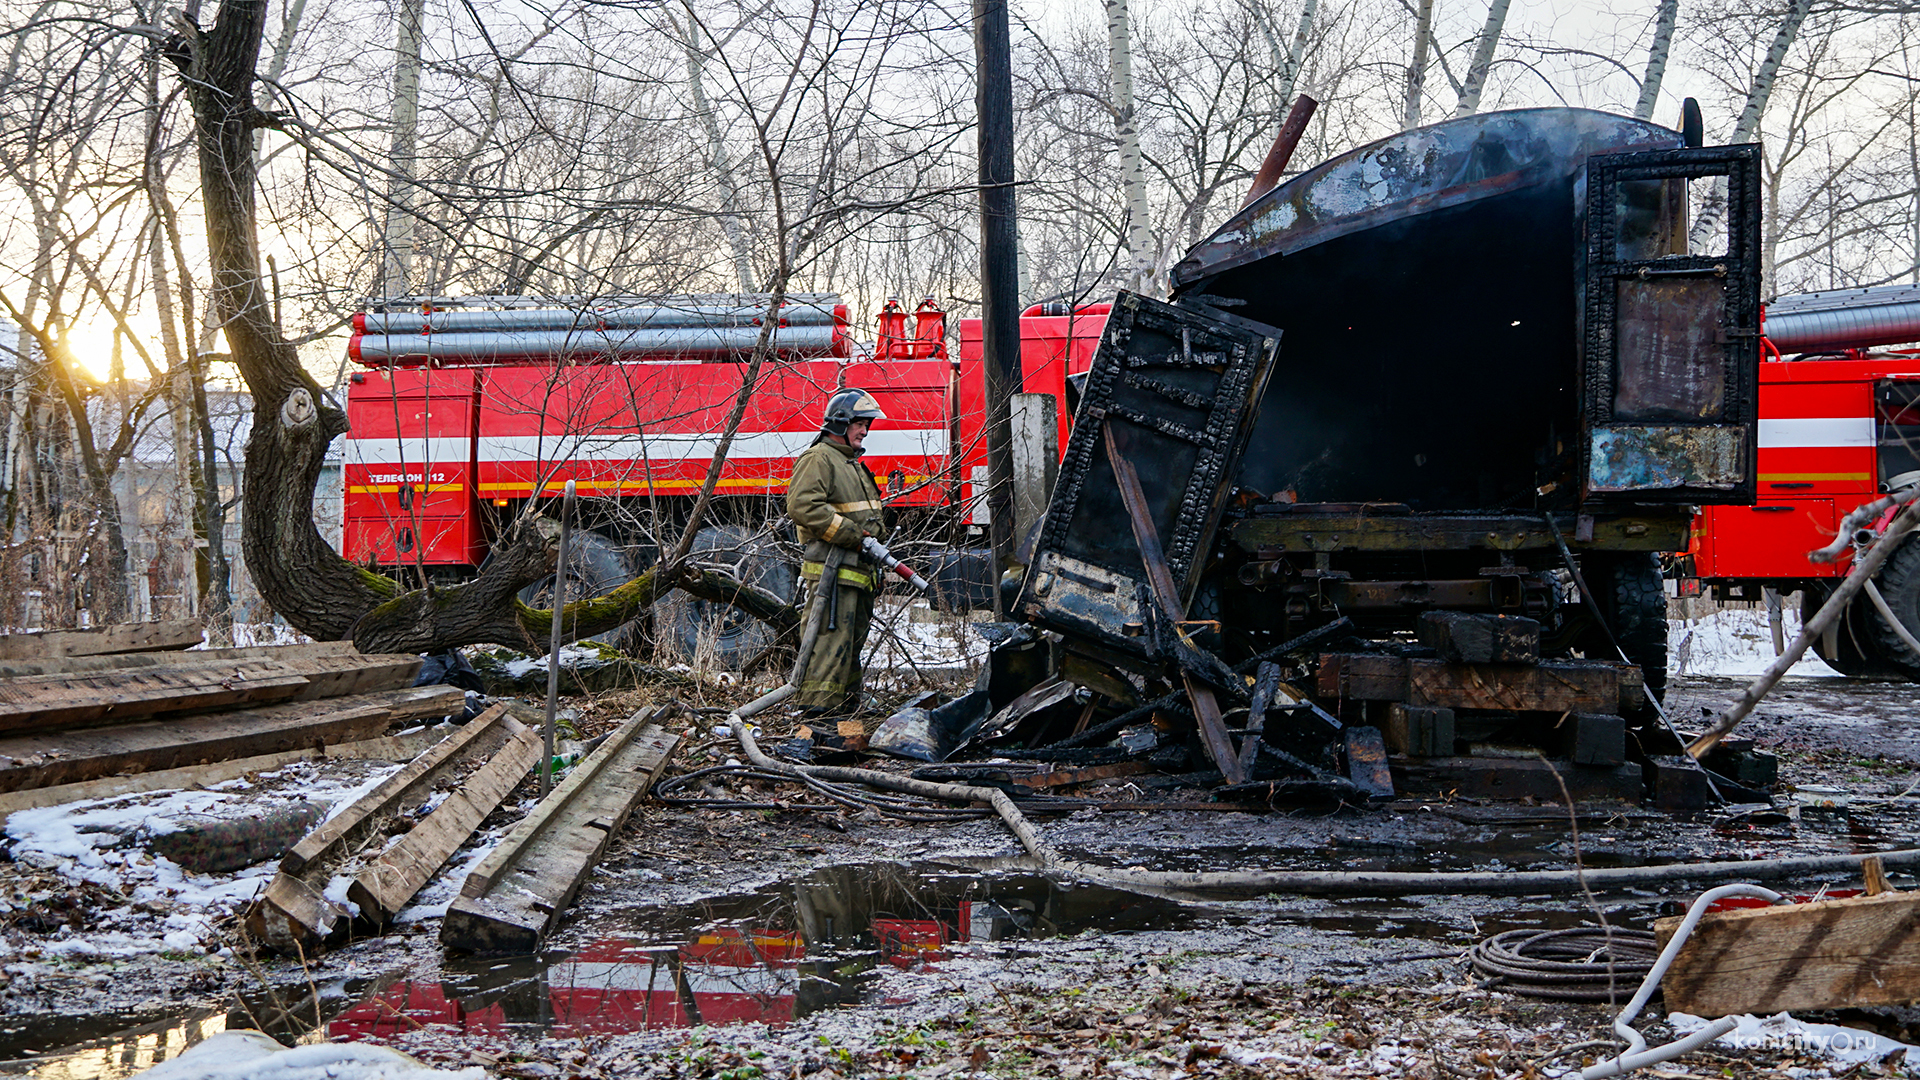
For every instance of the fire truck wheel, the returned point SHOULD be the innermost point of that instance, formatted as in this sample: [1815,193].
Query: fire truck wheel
[1856,649]
[699,629]
[1899,583]
[595,566]
[1633,604]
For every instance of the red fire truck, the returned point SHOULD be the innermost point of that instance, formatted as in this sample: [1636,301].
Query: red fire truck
[470,409]
[1839,425]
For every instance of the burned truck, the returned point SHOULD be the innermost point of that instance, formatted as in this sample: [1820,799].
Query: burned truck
[1415,426]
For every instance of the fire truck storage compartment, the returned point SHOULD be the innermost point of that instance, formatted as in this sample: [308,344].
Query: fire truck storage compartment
[1768,540]
[409,468]
[1427,288]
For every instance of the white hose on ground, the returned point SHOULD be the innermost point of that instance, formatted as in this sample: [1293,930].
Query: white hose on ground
[1636,1055]
[1314,882]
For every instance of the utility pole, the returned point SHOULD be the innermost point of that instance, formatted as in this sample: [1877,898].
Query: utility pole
[396,235]
[999,265]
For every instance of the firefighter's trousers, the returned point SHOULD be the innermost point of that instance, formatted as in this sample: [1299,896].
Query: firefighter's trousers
[832,679]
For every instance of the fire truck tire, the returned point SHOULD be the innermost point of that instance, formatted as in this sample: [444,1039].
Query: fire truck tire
[697,628]
[1857,652]
[1899,583]
[595,566]
[1633,603]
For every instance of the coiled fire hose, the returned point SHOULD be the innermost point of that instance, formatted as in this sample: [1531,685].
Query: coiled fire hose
[1582,963]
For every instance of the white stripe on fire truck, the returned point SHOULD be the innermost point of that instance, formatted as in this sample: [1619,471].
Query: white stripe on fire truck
[673,446]
[413,451]
[1817,431]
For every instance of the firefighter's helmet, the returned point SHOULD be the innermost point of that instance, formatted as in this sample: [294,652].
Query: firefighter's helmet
[846,406]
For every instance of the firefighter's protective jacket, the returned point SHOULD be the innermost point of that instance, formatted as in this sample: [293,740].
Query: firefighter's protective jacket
[833,500]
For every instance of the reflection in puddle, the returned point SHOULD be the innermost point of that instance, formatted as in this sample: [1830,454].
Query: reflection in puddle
[769,956]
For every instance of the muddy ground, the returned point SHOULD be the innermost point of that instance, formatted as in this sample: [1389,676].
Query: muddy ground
[1048,978]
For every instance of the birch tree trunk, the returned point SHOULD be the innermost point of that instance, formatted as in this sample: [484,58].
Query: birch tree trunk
[396,235]
[1482,58]
[1747,128]
[717,157]
[1417,71]
[1133,180]
[1287,62]
[1657,54]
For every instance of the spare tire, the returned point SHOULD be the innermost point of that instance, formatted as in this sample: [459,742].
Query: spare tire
[595,567]
[690,629]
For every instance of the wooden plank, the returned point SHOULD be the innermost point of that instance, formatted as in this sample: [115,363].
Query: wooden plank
[1551,686]
[111,696]
[1206,708]
[409,785]
[44,701]
[293,916]
[125,638]
[383,748]
[46,759]
[1829,954]
[385,886]
[513,899]
[79,665]
[1361,677]
[1419,731]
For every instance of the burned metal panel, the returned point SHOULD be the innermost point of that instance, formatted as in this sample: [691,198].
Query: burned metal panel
[1670,325]
[1639,459]
[1181,386]
[1415,173]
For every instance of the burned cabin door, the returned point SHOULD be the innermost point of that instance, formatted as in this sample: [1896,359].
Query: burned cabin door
[1670,311]
[1180,387]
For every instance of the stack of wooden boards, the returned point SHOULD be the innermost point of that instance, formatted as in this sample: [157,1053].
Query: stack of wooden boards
[74,710]
[89,714]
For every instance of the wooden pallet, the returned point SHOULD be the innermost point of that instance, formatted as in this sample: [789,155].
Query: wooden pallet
[516,896]
[295,917]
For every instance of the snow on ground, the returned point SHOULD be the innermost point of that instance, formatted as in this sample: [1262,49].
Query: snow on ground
[1734,642]
[911,638]
[250,1055]
[103,843]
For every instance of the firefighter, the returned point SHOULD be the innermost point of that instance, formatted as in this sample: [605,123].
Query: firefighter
[833,500]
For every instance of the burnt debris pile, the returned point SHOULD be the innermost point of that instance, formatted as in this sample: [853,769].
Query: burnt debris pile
[1376,502]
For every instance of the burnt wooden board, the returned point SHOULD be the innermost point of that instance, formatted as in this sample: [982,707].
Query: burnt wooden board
[1550,686]
[293,916]
[385,886]
[517,894]
[125,638]
[1826,955]
[45,759]
[1468,638]
[1517,778]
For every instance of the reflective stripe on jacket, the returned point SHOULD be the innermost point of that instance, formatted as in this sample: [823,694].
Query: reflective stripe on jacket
[832,499]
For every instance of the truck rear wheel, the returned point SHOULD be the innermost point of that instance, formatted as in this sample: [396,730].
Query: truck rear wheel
[1633,604]
[698,628]
[1899,582]
[595,567]
[1855,647]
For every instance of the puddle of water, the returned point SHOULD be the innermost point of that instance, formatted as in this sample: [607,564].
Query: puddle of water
[769,956]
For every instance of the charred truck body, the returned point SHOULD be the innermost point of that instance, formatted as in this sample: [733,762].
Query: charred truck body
[1408,382]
